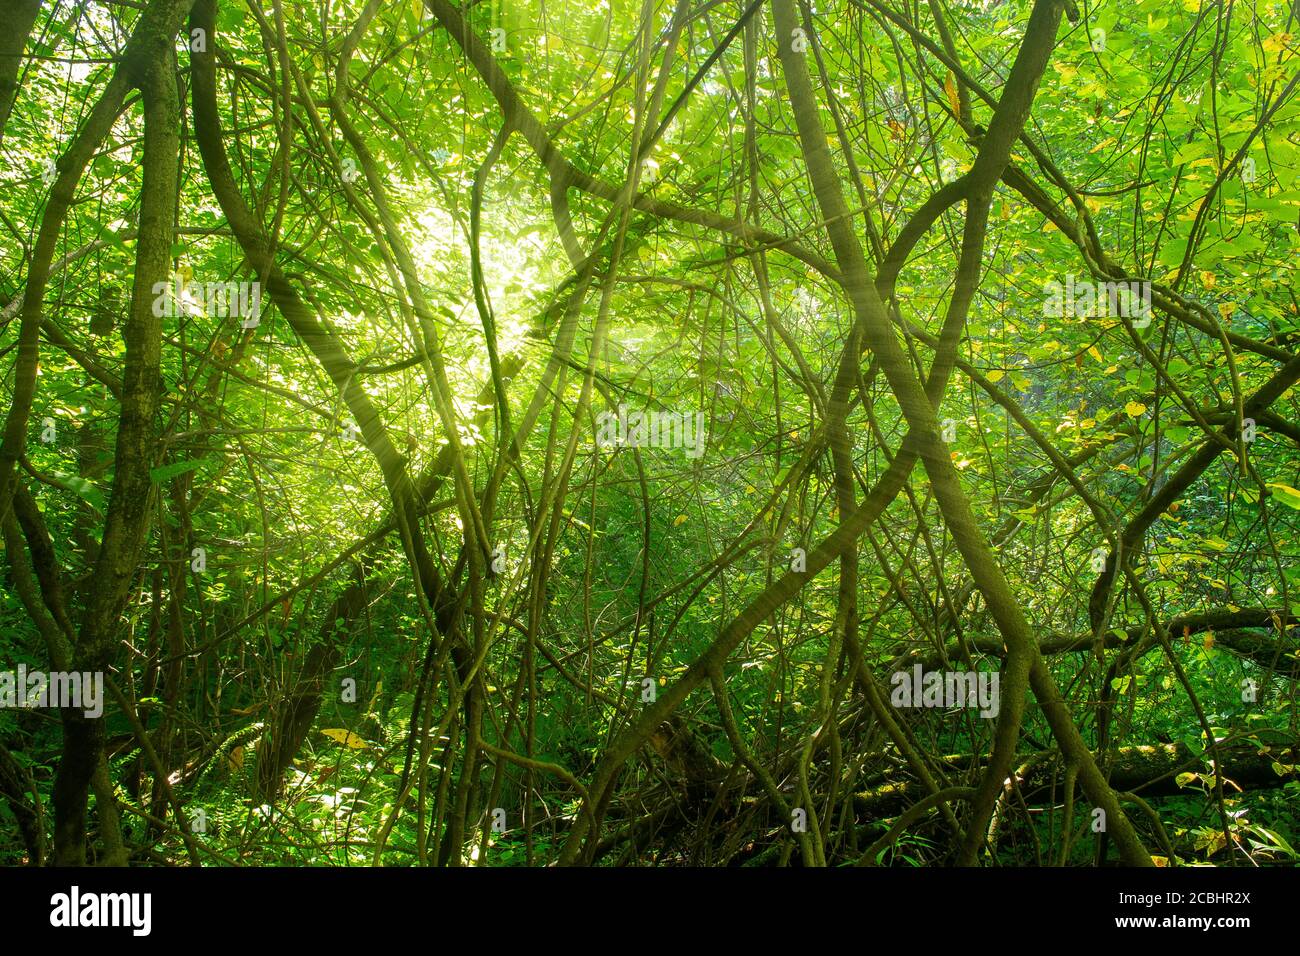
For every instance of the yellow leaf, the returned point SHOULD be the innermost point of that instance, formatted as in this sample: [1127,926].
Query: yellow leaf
[237,758]
[1226,309]
[1207,280]
[1094,352]
[1209,640]
[1276,42]
[347,738]
[950,87]
[995,375]
[1135,409]
[678,520]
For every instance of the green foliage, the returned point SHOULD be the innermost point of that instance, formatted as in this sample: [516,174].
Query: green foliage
[331,484]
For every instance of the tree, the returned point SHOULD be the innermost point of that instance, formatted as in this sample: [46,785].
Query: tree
[508,445]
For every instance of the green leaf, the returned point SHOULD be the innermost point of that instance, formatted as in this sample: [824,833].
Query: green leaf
[83,488]
[1285,494]
[167,472]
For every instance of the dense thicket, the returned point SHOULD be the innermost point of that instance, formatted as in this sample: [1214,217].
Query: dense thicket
[510,433]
